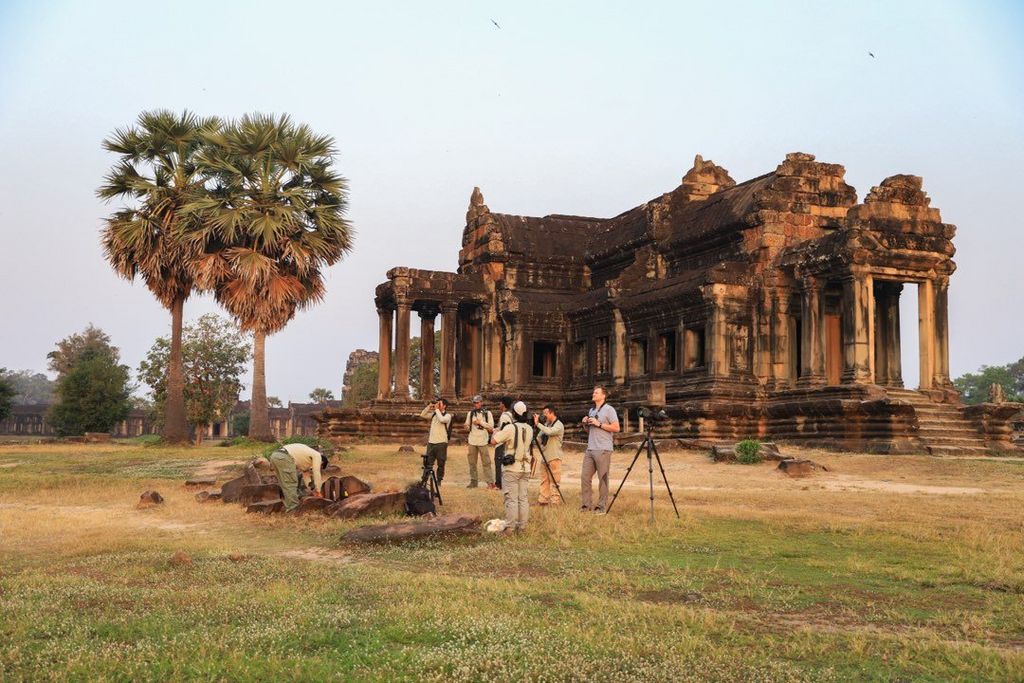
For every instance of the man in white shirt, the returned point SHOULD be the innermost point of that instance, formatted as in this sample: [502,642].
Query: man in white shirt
[292,461]
[478,422]
[437,440]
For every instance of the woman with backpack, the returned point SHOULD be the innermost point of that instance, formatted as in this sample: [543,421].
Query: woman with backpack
[516,466]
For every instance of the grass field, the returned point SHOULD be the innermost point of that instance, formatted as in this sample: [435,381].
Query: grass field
[885,568]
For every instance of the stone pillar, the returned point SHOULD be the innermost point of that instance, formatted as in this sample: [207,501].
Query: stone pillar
[888,370]
[449,317]
[427,315]
[402,350]
[858,329]
[618,351]
[717,337]
[386,320]
[812,334]
[895,360]
[926,332]
[941,321]
[781,343]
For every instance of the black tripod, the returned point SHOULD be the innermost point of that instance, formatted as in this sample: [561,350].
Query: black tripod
[547,465]
[430,481]
[652,455]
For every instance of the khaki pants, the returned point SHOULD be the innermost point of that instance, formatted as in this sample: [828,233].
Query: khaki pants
[484,454]
[287,478]
[546,495]
[599,462]
[515,486]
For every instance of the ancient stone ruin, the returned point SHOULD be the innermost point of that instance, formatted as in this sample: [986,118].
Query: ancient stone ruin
[356,359]
[764,309]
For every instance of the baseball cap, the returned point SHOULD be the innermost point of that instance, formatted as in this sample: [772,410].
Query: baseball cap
[519,408]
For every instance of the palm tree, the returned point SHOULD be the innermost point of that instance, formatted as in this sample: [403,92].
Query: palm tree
[273,221]
[157,176]
[321,395]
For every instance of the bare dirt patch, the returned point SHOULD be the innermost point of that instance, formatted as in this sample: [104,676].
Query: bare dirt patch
[318,554]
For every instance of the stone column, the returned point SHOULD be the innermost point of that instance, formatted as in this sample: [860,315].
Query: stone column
[895,360]
[941,369]
[782,372]
[427,315]
[926,332]
[887,335]
[449,317]
[402,350]
[386,320]
[618,351]
[858,329]
[717,336]
[812,334]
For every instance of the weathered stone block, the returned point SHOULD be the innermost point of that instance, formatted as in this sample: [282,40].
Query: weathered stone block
[149,499]
[363,504]
[256,494]
[795,467]
[448,525]
[266,507]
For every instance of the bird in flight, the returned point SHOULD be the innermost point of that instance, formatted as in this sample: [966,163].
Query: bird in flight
[495,23]
[872,54]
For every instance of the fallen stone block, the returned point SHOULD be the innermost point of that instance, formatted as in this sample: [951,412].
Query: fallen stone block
[770,451]
[337,488]
[149,499]
[207,496]
[231,490]
[721,453]
[96,437]
[796,467]
[448,525]
[312,504]
[406,449]
[363,504]
[266,507]
[258,494]
[197,483]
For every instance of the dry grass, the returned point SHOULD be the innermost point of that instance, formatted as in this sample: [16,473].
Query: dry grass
[881,568]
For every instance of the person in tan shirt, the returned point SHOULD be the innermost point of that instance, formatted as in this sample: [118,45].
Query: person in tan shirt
[292,463]
[515,477]
[478,424]
[552,431]
[437,440]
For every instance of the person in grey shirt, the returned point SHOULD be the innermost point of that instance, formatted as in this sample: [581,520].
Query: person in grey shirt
[601,423]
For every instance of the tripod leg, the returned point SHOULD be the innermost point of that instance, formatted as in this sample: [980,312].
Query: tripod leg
[650,471]
[665,477]
[624,477]
[548,466]
[436,486]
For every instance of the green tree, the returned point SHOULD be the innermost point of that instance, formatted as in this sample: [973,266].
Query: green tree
[214,353]
[92,395]
[274,220]
[30,388]
[362,385]
[7,393]
[415,363]
[155,177]
[321,395]
[274,402]
[973,387]
[71,349]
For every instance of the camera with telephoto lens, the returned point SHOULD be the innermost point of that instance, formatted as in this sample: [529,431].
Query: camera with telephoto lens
[652,414]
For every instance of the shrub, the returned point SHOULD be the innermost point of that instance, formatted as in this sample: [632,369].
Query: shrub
[148,440]
[748,452]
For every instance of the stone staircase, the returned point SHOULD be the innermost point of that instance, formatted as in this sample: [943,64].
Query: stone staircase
[942,429]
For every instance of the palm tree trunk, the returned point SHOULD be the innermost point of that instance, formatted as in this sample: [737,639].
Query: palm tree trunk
[175,428]
[259,413]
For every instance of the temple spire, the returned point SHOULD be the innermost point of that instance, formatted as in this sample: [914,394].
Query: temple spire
[705,179]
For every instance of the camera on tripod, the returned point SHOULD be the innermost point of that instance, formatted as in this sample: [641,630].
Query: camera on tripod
[654,415]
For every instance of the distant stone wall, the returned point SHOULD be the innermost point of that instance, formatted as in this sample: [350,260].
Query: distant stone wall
[356,359]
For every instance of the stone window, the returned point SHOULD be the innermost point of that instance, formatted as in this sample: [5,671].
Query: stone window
[579,359]
[666,358]
[602,355]
[638,356]
[545,359]
[694,347]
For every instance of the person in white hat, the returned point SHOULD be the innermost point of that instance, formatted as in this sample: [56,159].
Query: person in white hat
[516,466]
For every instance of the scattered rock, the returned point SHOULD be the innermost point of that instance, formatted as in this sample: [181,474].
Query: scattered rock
[311,504]
[360,505]
[207,496]
[96,437]
[770,451]
[721,453]
[231,490]
[197,483]
[181,559]
[259,493]
[796,467]
[267,507]
[149,499]
[337,488]
[237,557]
[406,449]
[448,525]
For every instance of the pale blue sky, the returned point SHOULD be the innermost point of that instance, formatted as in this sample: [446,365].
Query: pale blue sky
[582,107]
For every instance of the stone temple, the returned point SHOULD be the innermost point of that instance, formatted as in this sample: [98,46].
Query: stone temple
[765,309]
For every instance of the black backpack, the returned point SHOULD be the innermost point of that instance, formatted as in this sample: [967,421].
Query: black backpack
[418,501]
